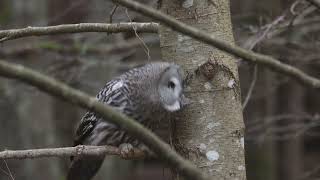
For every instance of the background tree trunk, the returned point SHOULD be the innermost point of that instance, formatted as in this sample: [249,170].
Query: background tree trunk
[210,131]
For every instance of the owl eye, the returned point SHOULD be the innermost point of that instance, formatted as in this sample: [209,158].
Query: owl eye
[171,85]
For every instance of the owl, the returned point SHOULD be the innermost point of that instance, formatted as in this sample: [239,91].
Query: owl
[148,94]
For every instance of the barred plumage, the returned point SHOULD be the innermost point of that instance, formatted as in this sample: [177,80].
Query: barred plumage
[147,94]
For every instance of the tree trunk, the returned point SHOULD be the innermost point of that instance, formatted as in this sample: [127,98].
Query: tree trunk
[210,131]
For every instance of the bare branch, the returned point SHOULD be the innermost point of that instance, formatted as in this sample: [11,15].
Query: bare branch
[69,151]
[62,91]
[77,28]
[250,44]
[114,9]
[144,45]
[262,33]
[200,35]
[315,3]
[252,85]
[260,130]
[9,174]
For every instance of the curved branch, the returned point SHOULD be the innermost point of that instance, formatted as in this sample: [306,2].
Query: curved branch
[201,35]
[78,28]
[60,90]
[69,151]
[315,3]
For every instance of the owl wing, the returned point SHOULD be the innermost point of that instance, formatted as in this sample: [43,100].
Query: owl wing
[112,94]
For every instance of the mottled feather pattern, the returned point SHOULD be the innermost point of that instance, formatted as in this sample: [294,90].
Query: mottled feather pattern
[121,93]
[134,93]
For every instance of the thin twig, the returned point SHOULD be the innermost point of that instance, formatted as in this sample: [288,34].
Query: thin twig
[200,35]
[315,3]
[258,131]
[145,47]
[269,121]
[252,85]
[114,9]
[267,28]
[9,171]
[263,33]
[5,172]
[77,28]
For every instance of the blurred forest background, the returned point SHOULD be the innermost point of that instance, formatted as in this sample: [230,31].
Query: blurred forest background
[281,116]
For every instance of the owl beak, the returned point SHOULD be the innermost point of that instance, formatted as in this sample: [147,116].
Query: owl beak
[184,101]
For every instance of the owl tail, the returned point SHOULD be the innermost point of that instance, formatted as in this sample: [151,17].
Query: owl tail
[84,168]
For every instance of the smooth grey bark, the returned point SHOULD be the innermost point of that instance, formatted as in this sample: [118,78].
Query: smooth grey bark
[210,131]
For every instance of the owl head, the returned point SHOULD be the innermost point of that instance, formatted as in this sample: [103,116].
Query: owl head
[170,88]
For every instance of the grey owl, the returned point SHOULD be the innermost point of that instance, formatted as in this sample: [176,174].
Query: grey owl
[148,94]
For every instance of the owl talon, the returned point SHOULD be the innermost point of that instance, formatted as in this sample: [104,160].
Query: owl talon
[126,150]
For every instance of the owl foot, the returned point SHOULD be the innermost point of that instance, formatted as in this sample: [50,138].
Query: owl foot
[126,150]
